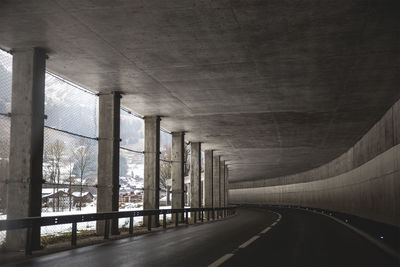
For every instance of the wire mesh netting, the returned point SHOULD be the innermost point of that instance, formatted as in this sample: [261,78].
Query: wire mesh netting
[131,180]
[5,109]
[202,161]
[186,173]
[70,108]
[131,131]
[131,166]
[165,168]
[69,173]
[69,154]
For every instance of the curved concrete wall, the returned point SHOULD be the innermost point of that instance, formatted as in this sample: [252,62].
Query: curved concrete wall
[364,181]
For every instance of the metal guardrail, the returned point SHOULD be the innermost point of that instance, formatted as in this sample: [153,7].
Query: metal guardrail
[37,222]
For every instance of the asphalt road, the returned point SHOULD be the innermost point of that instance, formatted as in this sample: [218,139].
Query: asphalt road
[303,238]
[300,238]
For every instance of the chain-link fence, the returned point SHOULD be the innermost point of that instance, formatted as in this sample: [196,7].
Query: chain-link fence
[186,173]
[165,168]
[5,109]
[69,155]
[131,166]
[202,161]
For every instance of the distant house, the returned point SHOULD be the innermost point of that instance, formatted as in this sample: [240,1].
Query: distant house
[87,197]
[131,197]
[58,199]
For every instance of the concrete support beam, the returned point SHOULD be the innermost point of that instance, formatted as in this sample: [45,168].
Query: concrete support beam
[26,143]
[151,166]
[216,182]
[208,179]
[195,175]
[222,183]
[108,158]
[226,185]
[177,172]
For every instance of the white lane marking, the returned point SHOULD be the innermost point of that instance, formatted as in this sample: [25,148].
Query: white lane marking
[245,244]
[265,230]
[221,260]
[248,242]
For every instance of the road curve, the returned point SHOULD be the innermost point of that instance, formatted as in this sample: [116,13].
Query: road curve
[255,237]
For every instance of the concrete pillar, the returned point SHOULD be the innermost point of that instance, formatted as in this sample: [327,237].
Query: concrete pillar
[195,175]
[151,166]
[216,182]
[177,172]
[208,179]
[108,158]
[226,185]
[222,184]
[26,143]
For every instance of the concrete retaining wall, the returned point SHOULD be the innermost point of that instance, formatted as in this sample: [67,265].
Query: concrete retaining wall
[382,136]
[364,181]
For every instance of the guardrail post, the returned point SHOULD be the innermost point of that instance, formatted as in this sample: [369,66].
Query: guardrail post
[107,229]
[176,219]
[195,217]
[149,223]
[213,214]
[208,215]
[73,234]
[164,224]
[131,225]
[187,217]
[201,215]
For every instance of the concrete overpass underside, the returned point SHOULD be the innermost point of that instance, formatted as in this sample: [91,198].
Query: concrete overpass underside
[276,87]
[298,101]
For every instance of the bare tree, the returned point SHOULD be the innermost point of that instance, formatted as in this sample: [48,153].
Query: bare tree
[165,171]
[54,154]
[186,159]
[84,161]
[71,177]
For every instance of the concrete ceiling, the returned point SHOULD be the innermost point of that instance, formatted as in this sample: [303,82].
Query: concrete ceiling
[276,87]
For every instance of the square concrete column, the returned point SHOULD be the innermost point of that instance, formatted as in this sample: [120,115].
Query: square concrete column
[195,175]
[177,174]
[151,166]
[226,185]
[222,183]
[108,158]
[216,182]
[26,143]
[208,179]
